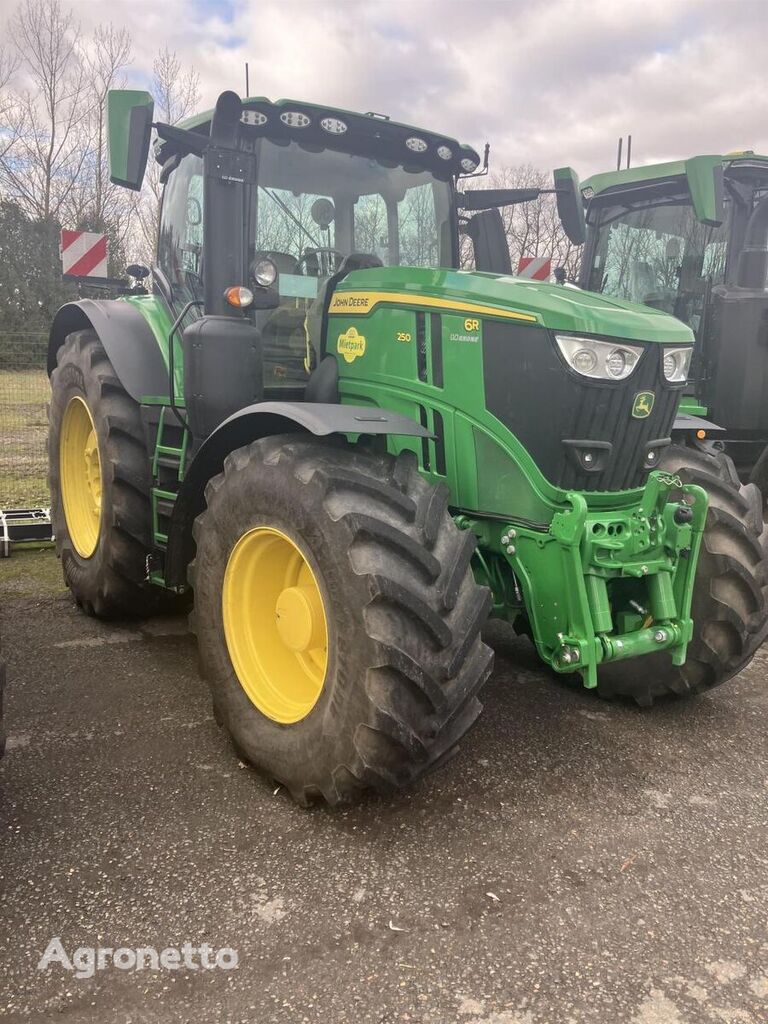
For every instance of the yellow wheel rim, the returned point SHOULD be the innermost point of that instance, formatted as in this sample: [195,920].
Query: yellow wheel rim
[275,625]
[80,468]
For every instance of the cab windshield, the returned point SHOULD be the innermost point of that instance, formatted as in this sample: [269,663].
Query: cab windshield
[314,208]
[311,210]
[659,255]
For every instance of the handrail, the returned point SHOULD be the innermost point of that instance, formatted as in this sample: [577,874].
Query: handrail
[172,389]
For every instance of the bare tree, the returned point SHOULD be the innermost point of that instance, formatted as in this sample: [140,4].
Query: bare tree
[47,120]
[177,93]
[109,53]
[532,228]
[176,89]
[9,63]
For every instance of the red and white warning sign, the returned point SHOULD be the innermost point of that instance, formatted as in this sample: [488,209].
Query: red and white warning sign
[535,267]
[83,254]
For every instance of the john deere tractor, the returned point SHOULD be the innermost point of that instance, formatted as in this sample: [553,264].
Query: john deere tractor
[353,452]
[691,238]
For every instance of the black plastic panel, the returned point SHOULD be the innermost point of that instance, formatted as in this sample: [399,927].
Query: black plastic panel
[737,350]
[222,370]
[529,387]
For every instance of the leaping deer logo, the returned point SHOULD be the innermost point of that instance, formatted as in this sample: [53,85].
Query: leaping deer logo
[643,404]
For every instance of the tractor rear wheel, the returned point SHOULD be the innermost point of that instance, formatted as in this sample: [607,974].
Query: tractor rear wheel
[337,617]
[730,597]
[100,483]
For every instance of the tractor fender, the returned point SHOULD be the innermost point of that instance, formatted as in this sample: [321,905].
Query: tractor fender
[127,339]
[264,419]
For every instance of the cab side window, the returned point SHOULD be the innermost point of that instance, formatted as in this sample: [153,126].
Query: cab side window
[180,245]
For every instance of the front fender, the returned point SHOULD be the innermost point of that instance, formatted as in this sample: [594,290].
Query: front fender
[127,339]
[264,419]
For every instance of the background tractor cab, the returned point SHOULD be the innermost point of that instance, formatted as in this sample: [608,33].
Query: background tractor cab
[691,238]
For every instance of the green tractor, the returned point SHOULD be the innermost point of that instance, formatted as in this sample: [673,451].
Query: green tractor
[691,238]
[353,452]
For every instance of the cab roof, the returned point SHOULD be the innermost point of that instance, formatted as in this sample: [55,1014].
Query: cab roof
[616,180]
[348,130]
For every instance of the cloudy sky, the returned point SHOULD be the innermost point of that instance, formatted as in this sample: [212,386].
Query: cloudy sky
[545,81]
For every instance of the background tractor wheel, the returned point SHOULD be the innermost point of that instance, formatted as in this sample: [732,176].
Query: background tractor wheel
[337,616]
[729,608]
[100,483]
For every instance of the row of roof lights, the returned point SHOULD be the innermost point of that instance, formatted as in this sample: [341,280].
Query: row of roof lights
[335,126]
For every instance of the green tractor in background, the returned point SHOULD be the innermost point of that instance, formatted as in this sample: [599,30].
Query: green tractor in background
[353,452]
[691,238]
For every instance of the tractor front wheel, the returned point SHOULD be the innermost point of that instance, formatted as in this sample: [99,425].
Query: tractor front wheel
[337,617]
[730,598]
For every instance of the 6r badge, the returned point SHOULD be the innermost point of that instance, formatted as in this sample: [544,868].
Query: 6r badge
[643,404]
[350,344]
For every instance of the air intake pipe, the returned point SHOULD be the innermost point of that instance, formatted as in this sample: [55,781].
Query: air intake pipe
[753,260]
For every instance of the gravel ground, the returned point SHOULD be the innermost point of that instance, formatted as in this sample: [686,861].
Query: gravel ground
[577,862]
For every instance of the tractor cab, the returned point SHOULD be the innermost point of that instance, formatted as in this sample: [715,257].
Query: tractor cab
[284,199]
[690,238]
[314,211]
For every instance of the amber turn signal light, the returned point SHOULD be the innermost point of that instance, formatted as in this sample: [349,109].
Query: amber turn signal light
[239,297]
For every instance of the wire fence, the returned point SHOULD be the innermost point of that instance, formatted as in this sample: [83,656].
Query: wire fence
[24,395]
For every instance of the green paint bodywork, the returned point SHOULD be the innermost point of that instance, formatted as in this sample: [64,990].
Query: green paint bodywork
[567,550]
[155,311]
[691,405]
[555,307]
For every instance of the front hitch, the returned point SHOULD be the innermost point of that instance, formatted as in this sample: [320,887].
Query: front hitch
[609,584]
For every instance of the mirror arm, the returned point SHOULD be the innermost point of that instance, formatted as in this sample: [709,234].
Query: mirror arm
[478,199]
[189,141]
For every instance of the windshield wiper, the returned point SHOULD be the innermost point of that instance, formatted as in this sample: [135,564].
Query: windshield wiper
[293,217]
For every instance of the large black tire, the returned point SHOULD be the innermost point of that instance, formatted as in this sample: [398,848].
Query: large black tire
[730,606]
[111,583]
[405,656]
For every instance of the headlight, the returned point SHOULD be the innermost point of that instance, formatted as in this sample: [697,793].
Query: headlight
[677,362]
[601,360]
[264,273]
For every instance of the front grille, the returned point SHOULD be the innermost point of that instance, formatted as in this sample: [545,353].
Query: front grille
[545,404]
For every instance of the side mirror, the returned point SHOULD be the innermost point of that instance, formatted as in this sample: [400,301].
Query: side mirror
[489,240]
[129,127]
[570,206]
[705,183]
[137,270]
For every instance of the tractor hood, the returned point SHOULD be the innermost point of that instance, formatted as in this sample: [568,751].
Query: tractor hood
[554,306]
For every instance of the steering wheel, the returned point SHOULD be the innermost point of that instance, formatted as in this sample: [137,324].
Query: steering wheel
[333,256]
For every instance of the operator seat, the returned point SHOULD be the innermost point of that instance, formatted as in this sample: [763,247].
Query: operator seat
[642,281]
[322,381]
